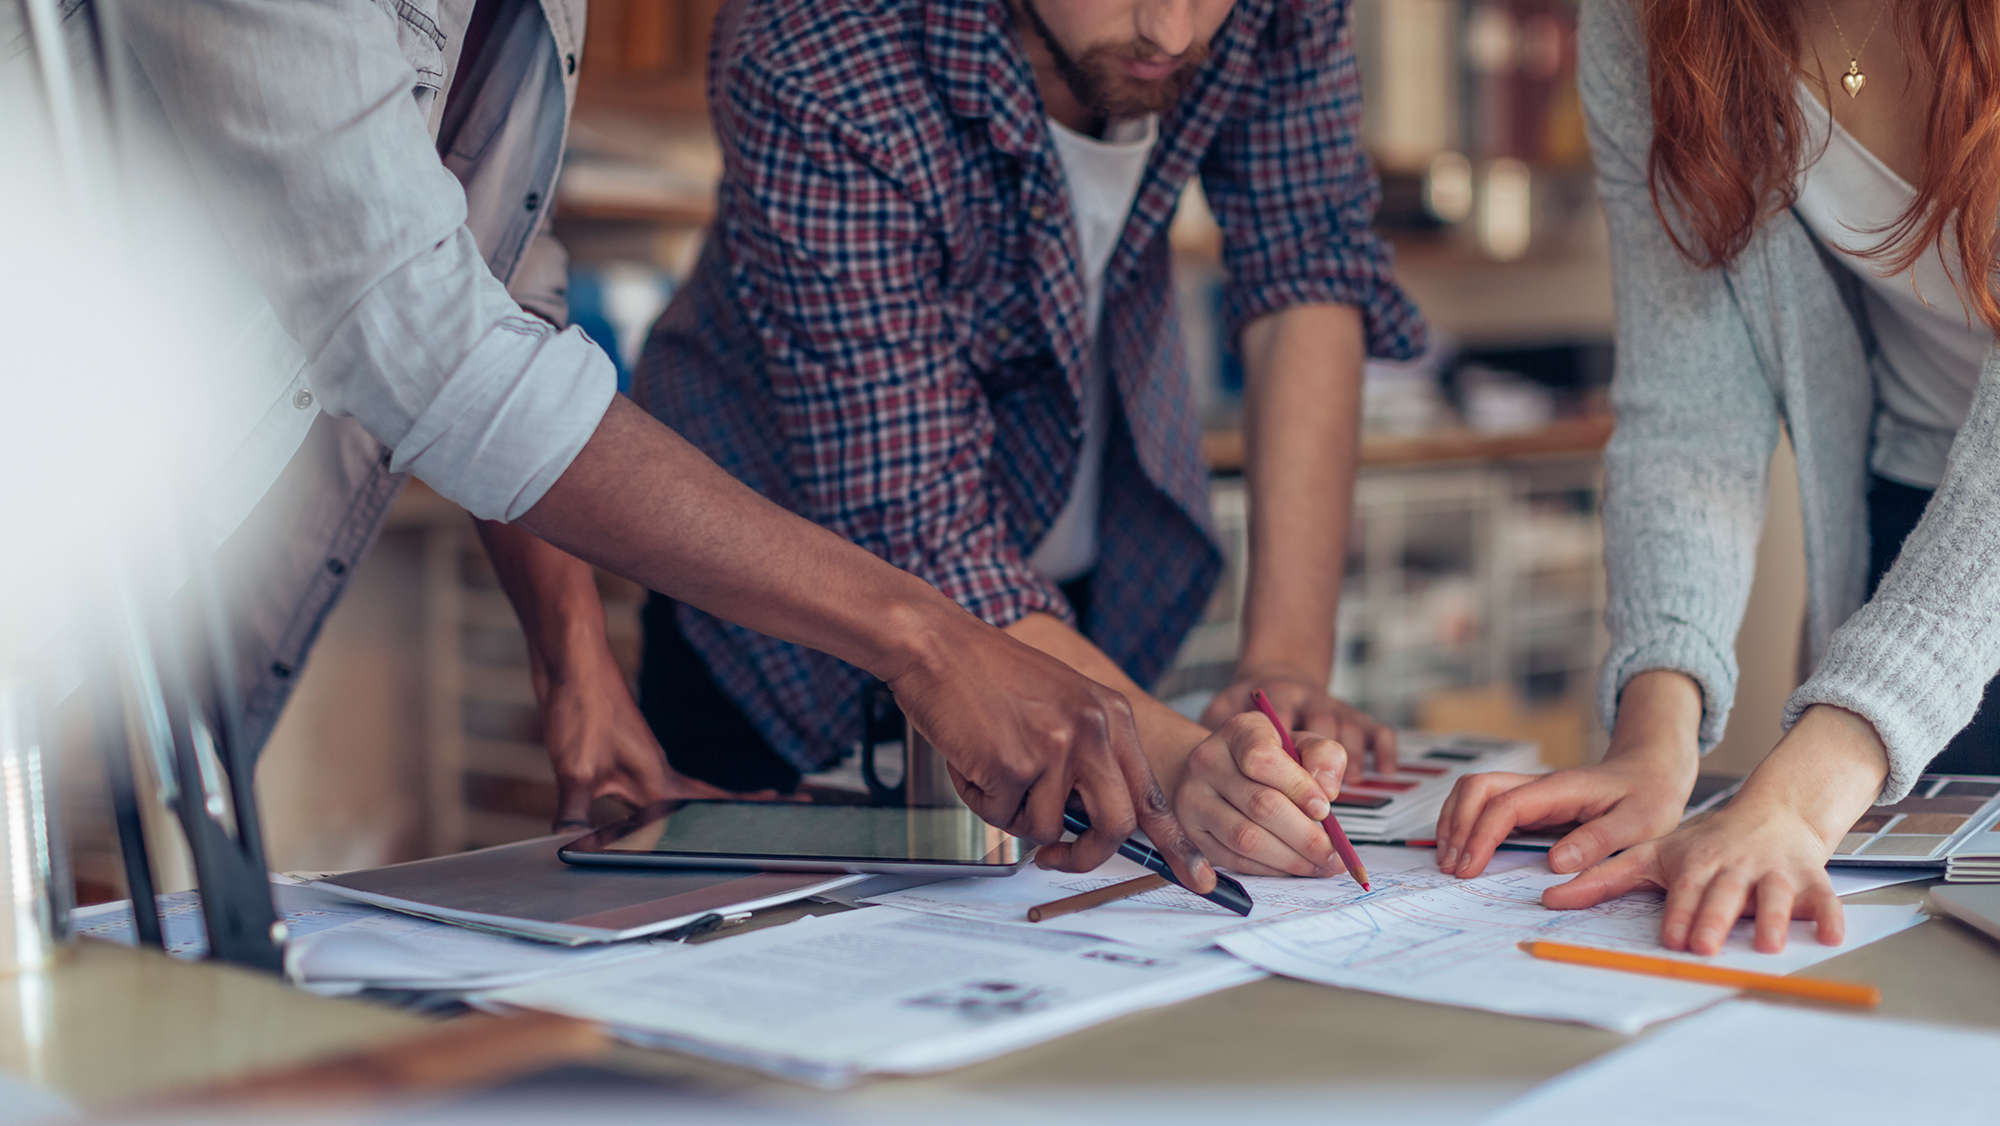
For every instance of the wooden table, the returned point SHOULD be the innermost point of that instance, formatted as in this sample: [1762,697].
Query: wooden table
[111,1026]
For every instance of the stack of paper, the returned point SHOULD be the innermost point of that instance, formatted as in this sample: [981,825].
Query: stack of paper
[1977,861]
[829,999]
[340,947]
[1419,934]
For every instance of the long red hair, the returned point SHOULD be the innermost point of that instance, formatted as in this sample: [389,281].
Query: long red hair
[1728,135]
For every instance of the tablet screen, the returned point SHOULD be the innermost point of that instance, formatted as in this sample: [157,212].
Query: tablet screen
[793,831]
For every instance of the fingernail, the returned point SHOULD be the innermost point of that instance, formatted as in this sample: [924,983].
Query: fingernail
[1328,781]
[1318,808]
[1560,859]
[1450,860]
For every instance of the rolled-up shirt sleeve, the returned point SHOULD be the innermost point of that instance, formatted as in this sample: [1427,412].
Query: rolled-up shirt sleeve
[1294,193]
[318,164]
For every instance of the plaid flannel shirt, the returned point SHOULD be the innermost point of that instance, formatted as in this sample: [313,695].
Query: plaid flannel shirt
[885,332]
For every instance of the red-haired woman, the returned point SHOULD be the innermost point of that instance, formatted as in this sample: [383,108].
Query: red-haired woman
[1803,198]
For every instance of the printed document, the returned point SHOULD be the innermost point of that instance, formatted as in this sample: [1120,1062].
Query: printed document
[831,998]
[1748,1061]
[1173,916]
[1458,945]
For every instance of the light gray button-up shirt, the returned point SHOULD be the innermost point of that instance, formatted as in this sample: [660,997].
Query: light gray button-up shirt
[412,277]
[375,284]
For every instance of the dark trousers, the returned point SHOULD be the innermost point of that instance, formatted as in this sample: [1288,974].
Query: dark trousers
[1893,511]
[705,733]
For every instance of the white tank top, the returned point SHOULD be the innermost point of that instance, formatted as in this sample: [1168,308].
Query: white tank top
[1930,346]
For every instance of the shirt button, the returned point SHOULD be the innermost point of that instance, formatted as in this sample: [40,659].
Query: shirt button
[1003,334]
[302,399]
[534,200]
[569,62]
[1037,213]
[335,568]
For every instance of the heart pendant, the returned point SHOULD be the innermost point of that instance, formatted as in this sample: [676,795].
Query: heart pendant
[1853,81]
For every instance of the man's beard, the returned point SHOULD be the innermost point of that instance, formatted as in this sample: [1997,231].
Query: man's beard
[1101,84]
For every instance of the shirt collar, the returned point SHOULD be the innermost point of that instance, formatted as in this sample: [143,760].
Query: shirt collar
[973,57]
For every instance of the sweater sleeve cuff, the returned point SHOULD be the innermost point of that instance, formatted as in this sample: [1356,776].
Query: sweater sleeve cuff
[1675,648]
[1917,693]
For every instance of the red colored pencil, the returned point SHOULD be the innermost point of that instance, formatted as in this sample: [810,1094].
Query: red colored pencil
[1334,832]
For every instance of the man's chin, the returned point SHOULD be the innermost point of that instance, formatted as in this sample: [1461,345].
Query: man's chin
[1129,98]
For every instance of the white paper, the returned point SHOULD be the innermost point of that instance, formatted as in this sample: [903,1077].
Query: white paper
[23,1102]
[828,999]
[340,946]
[1854,881]
[1172,916]
[1752,1062]
[1458,945]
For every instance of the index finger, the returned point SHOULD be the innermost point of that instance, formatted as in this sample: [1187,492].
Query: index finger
[1623,873]
[1150,807]
[1101,788]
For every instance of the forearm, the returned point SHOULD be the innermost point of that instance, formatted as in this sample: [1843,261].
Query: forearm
[554,595]
[1303,373]
[641,502]
[1659,718]
[1164,734]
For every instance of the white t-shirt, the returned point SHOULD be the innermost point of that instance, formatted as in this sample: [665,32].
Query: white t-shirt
[1931,347]
[1103,178]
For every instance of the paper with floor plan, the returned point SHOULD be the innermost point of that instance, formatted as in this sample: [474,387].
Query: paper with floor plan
[828,999]
[1458,945]
[1747,1061]
[1172,916]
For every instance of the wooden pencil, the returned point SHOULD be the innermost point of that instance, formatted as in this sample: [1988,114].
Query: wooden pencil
[1342,847]
[1804,988]
[1071,904]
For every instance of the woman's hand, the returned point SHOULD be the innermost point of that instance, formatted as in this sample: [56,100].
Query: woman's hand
[1763,857]
[1765,852]
[1615,804]
[1254,809]
[1635,794]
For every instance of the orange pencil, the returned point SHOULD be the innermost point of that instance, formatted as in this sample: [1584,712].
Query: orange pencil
[1804,988]
[1334,832]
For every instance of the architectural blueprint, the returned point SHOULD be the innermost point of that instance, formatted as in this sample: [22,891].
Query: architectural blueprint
[1458,944]
[1171,916]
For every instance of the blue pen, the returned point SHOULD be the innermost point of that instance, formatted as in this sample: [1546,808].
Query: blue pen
[1228,893]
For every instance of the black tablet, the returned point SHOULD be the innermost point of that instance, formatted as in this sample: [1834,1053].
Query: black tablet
[798,837]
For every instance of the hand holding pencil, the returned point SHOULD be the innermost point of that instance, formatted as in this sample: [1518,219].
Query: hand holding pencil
[1341,845]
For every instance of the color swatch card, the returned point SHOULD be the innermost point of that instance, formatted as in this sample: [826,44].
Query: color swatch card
[1405,802]
[1942,813]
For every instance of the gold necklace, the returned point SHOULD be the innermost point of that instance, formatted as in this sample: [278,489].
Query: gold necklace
[1854,80]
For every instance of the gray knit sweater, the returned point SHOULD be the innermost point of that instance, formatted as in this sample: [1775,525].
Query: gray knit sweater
[1710,364]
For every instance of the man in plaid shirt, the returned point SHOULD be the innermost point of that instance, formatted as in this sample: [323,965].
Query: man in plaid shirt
[935,315]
